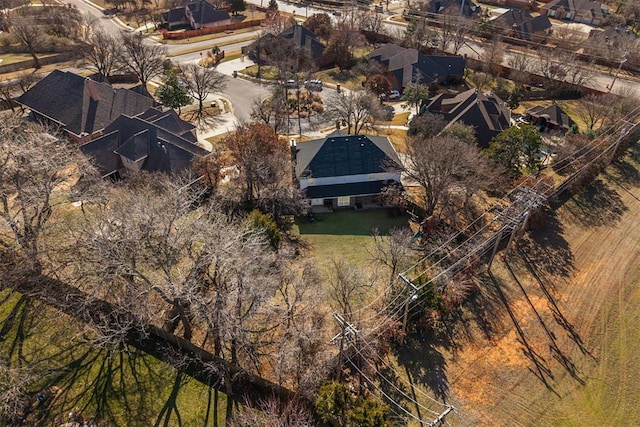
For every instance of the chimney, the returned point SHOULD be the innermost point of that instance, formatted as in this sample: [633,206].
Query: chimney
[91,87]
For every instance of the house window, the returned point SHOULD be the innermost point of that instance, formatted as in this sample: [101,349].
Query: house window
[344,201]
[309,181]
[317,202]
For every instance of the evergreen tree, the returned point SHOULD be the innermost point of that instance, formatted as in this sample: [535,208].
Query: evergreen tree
[172,92]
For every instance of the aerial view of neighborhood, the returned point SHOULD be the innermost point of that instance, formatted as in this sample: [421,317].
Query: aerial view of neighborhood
[335,213]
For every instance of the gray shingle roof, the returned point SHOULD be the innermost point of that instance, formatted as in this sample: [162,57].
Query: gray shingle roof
[554,115]
[488,114]
[525,25]
[139,140]
[407,65]
[343,155]
[80,104]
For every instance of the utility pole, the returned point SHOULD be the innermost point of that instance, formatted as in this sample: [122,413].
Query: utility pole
[622,61]
[440,419]
[347,329]
[413,295]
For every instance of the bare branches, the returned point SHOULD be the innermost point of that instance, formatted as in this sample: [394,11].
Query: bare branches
[141,58]
[357,108]
[200,83]
[104,53]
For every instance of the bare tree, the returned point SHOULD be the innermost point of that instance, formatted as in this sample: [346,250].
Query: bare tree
[15,386]
[105,52]
[594,109]
[33,165]
[393,250]
[348,287]
[492,56]
[358,108]
[144,59]
[28,34]
[201,82]
[442,167]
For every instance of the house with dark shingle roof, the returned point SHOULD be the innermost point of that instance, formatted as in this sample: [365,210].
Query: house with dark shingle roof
[146,142]
[406,66]
[195,14]
[346,170]
[297,36]
[585,11]
[521,24]
[487,113]
[551,117]
[466,8]
[80,106]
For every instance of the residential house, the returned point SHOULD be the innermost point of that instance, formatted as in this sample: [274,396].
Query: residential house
[585,11]
[346,170]
[615,44]
[152,141]
[521,24]
[487,113]
[80,106]
[194,15]
[405,66]
[295,37]
[549,118]
[465,8]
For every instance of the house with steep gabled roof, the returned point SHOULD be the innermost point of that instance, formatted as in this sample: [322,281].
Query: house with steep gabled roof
[296,36]
[521,24]
[487,113]
[344,170]
[406,66]
[79,106]
[466,8]
[551,117]
[195,14]
[144,143]
[585,11]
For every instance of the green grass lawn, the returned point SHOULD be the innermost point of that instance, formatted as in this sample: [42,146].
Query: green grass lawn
[346,234]
[115,387]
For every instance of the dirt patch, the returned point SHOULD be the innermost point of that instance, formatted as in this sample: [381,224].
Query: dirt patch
[570,304]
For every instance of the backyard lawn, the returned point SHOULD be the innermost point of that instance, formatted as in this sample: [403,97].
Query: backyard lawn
[346,235]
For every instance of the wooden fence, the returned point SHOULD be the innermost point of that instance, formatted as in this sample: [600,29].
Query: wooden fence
[180,35]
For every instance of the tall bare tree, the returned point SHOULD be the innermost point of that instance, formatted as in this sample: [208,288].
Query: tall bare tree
[200,83]
[442,167]
[140,57]
[28,34]
[358,108]
[104,53]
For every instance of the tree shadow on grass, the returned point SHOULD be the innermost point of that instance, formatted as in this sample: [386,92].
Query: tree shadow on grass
[597,205]
[540,366]
[424,364]
[546,245]
[563,358]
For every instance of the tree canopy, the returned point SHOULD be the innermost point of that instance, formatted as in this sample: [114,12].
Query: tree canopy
[517,149]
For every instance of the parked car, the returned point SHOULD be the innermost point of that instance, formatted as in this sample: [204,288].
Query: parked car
[290,84]
[393,95]
[315,85]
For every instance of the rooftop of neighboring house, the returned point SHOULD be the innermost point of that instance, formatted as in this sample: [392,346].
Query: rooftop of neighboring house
[523,23]
[202,12]
[590,8]
[410,64]
[143,140]
[82,105]
[553,114]
[299,36]
[340,154]
[487,113]
[467,8]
